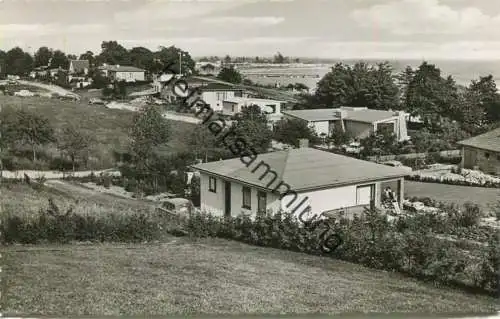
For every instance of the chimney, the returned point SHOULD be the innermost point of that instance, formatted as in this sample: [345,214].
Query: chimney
[303,143]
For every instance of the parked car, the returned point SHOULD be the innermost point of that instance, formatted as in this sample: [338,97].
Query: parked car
[96,100]
[397,164]
[24,93]
[177,206]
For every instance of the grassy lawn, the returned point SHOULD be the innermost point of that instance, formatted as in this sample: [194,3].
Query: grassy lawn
[109,126]
[21,199]
[210,276]
[484,197]
[19,87]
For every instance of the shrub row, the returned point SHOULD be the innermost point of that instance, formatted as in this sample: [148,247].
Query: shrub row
[407,246]
[428,179]
[53,226]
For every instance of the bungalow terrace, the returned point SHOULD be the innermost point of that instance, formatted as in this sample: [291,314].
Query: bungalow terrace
[360,122]
[296,180]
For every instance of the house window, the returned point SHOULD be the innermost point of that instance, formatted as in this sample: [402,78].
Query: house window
[498,157]
[212,184]
[487,155]
[232,108]
[262,202]
[365,194]
[247,198]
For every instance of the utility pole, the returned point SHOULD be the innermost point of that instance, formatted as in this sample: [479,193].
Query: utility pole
[180,63]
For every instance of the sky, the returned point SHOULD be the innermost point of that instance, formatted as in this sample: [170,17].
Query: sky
[369,29]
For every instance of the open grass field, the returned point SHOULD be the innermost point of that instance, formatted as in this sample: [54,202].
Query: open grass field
[454,194]
[184,276]
[22,200]
[109,126]
[210,276]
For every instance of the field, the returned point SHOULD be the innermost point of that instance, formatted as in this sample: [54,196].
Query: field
[185,276]
[209,276]
[109,126]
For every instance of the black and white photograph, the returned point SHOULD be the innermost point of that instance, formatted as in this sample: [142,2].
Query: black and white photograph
[249,158]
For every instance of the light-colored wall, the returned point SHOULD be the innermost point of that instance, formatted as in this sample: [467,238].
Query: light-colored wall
[129,76]
[477,157]
[215,98]
[344,197]
[320,127]
[358,129]
[212,202]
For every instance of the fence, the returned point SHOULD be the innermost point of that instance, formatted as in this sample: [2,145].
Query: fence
[383,158]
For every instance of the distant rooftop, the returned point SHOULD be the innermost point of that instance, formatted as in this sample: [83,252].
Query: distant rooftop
[80,65]
[303,169]
[121,68]
[487,141]
[354,114]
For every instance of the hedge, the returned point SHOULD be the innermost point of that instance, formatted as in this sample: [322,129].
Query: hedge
[428,179]
[407,246]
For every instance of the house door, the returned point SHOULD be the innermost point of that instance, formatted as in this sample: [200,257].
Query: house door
[227,199]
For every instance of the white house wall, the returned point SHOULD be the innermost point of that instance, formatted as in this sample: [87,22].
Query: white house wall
[322,200]
[215,98]
[320,127]
[212,202]
[129,76]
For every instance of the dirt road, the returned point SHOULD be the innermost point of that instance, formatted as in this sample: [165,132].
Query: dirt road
[52,88]
[78,191]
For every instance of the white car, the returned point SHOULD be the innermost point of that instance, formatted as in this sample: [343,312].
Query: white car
[24,93]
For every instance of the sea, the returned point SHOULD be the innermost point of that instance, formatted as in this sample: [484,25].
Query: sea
[463,72]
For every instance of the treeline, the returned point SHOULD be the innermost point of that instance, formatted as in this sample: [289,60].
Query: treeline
[19,62]
[26,136]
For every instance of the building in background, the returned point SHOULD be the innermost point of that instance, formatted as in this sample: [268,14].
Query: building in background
[123,73]
[360,122]
[482,152]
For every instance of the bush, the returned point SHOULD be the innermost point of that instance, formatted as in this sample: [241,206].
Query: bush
[55,226]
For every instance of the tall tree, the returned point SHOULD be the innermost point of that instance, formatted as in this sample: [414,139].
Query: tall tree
[33,129]
[113,53]
[3,56]
[429,95]
[59,60]
[43,56]
[89,55]
[251,126]
[403,80]
[230,74]
[361,85]
[172,56]
[142,58]
[149,131]
[291,131]
[75,143]
[489,100]
[18,62]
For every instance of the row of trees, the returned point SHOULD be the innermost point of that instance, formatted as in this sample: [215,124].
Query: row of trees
[25,128]
[423,92]
[18,62]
